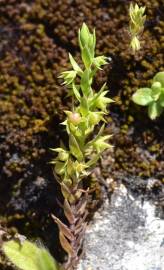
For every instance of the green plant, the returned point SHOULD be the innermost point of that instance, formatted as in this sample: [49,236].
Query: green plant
[152,97]
[75,162]
[28,256]
[137,20]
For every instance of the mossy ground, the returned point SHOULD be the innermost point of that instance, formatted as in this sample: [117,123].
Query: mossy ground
[36,37]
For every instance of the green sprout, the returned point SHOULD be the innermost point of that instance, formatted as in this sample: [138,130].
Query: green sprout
[136,25]
[152,97]
[75,162]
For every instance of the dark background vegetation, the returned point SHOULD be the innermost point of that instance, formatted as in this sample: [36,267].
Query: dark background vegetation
[35,38]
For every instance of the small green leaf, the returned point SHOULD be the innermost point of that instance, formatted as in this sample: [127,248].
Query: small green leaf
[56,149]
[74,148]
[142,96]
[87,42]
[156,85]
[60,167]
[103,101]
[96,137]
[23,256]
[95,96]
[94,40]
[84,35]
[159,77]
[161,99]
[46,261]
[63,155]
[80,168]
[27,256]
[95,117]
[84,106]
[86,82]
[76,92]
[68,76]
[156,90]
[154,110]
[93,160]
[86,57]
[99,61]
[100,145]
[74,64]
[91,46]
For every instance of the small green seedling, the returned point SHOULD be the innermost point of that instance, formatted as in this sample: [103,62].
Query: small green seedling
[28,256]
[152,97]
[137,20]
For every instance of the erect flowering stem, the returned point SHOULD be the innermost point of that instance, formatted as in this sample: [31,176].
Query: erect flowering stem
[74,164]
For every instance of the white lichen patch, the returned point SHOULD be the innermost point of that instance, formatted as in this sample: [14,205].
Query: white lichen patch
[124,235]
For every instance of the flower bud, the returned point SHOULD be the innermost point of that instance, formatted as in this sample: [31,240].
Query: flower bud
[74,118]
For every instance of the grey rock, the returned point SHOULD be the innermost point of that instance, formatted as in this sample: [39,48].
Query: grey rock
[124,235]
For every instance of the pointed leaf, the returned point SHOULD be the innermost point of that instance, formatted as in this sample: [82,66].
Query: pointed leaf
[68,212]
[86,82]
[100,145]
[86,57]
[57,149]
[84,34]
[94,40]
[60,167]
[74,148]
[65,244]
[65,191]
[99,61]
[68,76]
[63,228]
[84,106]
[93,160]
[96,137]
[76,92]
[95,97]
[82,208]
[74,64]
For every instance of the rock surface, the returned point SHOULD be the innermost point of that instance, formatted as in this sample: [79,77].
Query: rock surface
[124,235]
